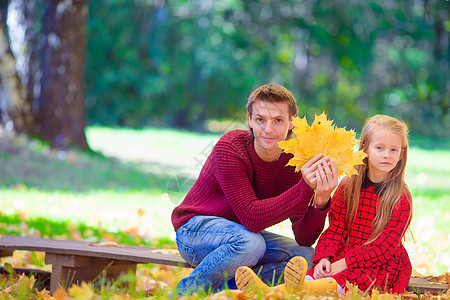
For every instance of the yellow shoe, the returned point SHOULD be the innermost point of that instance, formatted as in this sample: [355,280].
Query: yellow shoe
[321,286]
[248,282]
[294,273]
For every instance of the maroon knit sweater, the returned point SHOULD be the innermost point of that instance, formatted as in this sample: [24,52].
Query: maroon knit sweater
[236,184]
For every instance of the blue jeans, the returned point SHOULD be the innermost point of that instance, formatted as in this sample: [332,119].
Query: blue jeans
[217,247]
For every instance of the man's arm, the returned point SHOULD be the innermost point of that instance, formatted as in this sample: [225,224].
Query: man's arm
[255,214]
[307,227]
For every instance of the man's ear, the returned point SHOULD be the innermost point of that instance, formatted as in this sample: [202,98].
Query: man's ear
[290,123]
[249,120]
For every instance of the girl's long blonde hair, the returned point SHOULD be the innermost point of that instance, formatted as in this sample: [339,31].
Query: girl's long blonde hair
[392,188]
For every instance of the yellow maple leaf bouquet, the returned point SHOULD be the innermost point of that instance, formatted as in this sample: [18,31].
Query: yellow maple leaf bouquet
[323,137]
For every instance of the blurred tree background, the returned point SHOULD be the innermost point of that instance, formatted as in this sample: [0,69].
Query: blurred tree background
[176,63]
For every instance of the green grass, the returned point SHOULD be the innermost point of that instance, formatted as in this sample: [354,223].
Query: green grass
[134,172]
[428,177]
[130,187]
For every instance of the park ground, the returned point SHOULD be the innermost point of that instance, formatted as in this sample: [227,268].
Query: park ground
[126,190]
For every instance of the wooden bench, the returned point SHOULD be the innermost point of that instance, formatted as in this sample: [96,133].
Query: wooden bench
[422,285]
[77,261]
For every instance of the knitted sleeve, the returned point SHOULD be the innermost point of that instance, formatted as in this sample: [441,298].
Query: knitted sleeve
[231,169]
[307,225]
[334,237]
[381,249]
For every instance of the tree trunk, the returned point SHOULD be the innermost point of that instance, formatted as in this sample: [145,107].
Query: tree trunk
[15,103]
[61,105]
[23,24]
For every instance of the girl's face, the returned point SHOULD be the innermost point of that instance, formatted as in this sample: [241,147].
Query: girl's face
[384,152]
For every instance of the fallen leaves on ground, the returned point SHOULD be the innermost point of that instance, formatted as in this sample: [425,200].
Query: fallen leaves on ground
[444,278]
[83,291]
[159,281]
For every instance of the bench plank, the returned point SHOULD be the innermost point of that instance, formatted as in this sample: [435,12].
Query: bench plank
[63,276]
[77,261]
[424,285]
[4,253]
[138,254]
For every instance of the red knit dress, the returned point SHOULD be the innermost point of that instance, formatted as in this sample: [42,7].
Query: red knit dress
[383,264]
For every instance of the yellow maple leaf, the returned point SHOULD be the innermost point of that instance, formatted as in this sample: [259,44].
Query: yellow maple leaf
[44,295]
[323,137]
[83,292]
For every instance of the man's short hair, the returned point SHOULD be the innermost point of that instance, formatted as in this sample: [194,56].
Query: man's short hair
[273,93]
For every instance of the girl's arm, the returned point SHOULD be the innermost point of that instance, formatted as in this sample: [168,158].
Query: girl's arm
[382,248]
[335,235]
[338,266]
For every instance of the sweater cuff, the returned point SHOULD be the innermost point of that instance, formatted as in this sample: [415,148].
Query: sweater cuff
[320,214]
[324,208]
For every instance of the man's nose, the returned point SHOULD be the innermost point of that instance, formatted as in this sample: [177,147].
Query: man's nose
[268,127]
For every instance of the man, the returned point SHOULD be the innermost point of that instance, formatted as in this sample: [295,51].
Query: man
[244,188]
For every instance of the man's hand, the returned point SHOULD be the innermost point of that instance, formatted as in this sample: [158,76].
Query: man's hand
[327,181]
[338,266]
[322,269]
[309,171]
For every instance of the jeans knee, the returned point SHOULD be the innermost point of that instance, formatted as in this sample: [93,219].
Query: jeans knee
[305,252]
[251,247]
[309,255]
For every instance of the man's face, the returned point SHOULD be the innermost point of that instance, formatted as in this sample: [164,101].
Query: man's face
[270,123]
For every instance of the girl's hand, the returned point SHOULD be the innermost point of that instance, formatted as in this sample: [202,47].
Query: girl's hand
[338,266]
[322,269]
[327,181]
[309,171]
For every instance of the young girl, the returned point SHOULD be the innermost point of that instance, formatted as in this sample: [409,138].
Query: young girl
[369,215]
